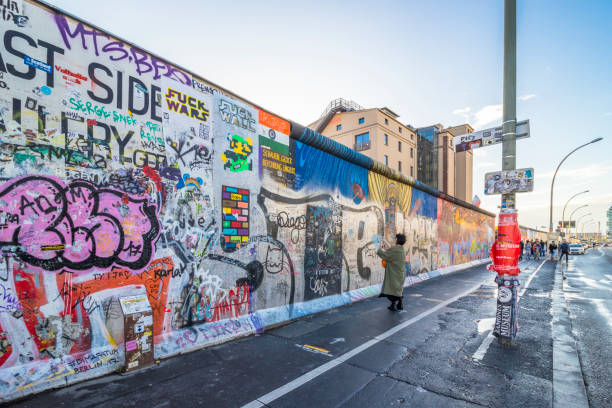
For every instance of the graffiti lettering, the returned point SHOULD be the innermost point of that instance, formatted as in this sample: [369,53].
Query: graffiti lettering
[98,227]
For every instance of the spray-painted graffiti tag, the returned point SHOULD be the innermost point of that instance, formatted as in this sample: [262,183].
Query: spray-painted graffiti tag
[76,226]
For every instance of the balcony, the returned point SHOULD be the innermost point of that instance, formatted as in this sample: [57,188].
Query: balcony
[362,146]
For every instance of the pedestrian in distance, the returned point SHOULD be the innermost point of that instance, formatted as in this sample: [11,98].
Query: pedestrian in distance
[522,248]
[543,249]
[536,250]
[394,260]
[528,249]
[551,250]
[564,249]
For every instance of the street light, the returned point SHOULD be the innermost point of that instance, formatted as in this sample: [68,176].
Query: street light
[578,220]
[565,206]
[584,224]
[572,214]
[552,185]
[587,224]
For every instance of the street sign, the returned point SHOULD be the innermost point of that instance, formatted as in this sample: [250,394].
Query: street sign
[486,137]
[509,181]
[567,224]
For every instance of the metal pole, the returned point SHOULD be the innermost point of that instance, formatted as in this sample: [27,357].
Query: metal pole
[505,282]
[571,215]
[565,206]
[552,185]
[509,107]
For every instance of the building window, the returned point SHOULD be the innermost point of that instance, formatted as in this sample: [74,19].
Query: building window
[399,146]
[411,136]
[386,160]
[400,129]
[386,121]
[386,140]
[361,121]
[411,171]
[338,127]
[362,141]
[399,166]
[411,152]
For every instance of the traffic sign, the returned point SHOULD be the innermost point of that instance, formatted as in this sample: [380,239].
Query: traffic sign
[509,181]
[487,137]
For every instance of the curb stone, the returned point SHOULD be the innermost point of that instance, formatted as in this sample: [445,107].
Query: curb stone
[568,384]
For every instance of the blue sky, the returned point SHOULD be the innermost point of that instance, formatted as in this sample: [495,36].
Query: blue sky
[429,61]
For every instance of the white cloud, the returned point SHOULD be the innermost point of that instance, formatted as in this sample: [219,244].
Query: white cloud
[607,114]
[486,115]
[589,172]
[480,165]
[464,112]
[526,97]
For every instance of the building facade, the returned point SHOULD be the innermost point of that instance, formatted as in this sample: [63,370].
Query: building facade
[609,222]
[439,165]
[464,165]
[424,153]
[374,132]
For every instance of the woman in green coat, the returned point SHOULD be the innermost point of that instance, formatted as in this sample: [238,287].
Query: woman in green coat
[395,265]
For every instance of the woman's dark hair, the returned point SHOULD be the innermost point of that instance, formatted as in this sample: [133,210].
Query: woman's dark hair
[400,239]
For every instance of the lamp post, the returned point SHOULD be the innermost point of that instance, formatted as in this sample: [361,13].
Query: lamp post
[552,185]
[579,218]
[573,212]
[585,225]
[565,206]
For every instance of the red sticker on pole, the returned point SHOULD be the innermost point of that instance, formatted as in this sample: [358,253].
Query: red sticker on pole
[507,247]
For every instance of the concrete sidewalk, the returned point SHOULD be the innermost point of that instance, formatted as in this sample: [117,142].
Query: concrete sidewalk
[431,361]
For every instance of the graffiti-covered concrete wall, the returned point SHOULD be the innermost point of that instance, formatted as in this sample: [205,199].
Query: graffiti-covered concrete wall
[122,174]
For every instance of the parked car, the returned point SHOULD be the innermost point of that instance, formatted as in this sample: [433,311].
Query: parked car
[576,249]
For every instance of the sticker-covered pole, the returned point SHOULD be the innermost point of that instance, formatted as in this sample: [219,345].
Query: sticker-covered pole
[507,246]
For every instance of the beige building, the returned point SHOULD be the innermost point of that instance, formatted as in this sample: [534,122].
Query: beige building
[464,163]
[438,164]
[374,132]
[425,153]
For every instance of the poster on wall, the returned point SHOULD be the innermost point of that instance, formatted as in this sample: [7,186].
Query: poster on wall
[276,150]
[323,254]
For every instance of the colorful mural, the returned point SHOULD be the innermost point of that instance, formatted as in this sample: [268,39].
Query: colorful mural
[121,174]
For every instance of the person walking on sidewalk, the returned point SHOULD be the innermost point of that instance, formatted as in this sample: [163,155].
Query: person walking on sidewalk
[394,260]
[564,248]
[522,248]
[536,250]
[551,249]
[528,249]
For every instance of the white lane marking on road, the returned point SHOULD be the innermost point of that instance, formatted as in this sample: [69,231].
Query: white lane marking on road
[486,342]
[303,379]
[530,278]
[484,346]
[603,310]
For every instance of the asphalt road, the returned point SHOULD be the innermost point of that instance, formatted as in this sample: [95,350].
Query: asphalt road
[588,290]
[440,354]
